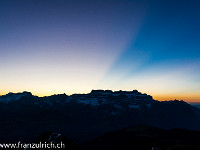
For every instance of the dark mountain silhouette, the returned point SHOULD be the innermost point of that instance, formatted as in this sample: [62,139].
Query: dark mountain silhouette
[144,137]
[140,137]
[83,117]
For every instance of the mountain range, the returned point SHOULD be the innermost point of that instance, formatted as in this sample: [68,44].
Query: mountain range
[84,117]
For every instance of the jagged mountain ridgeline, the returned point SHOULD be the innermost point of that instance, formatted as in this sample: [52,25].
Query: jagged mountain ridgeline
[83,117]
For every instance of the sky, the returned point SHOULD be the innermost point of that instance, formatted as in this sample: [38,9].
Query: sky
[73,46]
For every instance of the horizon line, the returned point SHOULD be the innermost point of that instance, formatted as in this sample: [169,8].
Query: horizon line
[159,99]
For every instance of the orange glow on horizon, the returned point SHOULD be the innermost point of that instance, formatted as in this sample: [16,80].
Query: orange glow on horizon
[186,98]
[160,97]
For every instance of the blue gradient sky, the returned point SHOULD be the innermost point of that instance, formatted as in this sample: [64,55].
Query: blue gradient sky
[61,46]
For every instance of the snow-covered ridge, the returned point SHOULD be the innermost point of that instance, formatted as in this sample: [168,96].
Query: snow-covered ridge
[132,99]
[14,96]
[117,99]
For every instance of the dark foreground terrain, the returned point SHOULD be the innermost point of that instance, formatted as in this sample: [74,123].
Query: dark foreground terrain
[143,137]
[139,137]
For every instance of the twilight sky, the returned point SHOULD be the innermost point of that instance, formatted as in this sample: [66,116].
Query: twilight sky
[73,46]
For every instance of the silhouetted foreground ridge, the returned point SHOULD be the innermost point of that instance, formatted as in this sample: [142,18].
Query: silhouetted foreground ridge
[140,137]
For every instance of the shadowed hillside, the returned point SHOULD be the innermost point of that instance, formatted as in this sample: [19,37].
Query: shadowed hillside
[144,137]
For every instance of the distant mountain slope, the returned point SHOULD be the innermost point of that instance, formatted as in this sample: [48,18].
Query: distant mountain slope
[83,117]
[195,104]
